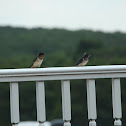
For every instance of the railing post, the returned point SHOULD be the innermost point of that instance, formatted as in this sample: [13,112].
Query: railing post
[66,102]
[40,97]
[14,103]
[91,102]
[116,98]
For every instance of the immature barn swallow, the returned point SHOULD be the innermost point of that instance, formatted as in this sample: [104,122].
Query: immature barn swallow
[83,61]
[38,61]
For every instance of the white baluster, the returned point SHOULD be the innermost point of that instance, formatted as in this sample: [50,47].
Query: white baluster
[116,98]
[91,102]
[40,97]
[67,123]
[66,102]
[14,103]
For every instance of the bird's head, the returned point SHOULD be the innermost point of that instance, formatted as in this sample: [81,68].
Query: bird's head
[41,55]
[86,56]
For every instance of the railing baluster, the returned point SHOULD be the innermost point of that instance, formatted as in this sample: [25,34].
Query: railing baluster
[66,102]
[116,97]
[91,102]
[40,97]
[14,103]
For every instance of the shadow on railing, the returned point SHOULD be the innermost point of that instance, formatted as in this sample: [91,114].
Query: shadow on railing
[32,123]
[56,122]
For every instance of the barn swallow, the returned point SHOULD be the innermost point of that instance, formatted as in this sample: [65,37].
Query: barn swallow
[84,60]
[38,61]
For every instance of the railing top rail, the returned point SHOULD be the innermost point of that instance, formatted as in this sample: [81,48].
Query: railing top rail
[64,69]
[60,73]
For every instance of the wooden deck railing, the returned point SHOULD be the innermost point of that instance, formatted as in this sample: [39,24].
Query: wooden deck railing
[65,74]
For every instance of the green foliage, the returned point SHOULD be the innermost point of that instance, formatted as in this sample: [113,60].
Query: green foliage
[19,47]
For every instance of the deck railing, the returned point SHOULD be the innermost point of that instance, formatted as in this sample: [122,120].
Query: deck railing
[65,74]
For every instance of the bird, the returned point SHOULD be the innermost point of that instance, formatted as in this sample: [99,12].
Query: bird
[84,60]
[38,60]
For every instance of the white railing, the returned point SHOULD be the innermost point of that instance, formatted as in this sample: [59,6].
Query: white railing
[65,74]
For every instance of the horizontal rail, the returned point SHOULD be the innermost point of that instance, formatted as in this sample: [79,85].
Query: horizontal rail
[62,73]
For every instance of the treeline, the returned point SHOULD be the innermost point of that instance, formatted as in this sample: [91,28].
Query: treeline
[18,48]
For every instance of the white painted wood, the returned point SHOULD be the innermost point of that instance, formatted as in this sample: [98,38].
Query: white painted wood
[116,98]
[62,77]
[92,123]
[91,99]
[63,73]
[40,97]
[117,122]
[41,124]
[67,124]
[14,102]
[66,100]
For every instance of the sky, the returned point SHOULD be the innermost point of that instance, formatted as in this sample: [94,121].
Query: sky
[103,15]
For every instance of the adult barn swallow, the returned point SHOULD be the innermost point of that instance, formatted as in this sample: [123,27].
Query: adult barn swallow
[38,61]
[83,61]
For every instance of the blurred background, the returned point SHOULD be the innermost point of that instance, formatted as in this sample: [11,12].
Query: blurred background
[64,30]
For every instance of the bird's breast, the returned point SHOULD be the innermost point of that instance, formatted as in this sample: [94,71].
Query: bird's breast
[37,63]
[83,63]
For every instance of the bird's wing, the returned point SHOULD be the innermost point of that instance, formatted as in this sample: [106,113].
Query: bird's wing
[33,62]
[79,61]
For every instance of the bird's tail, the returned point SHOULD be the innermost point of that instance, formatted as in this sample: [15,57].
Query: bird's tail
[31,66]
